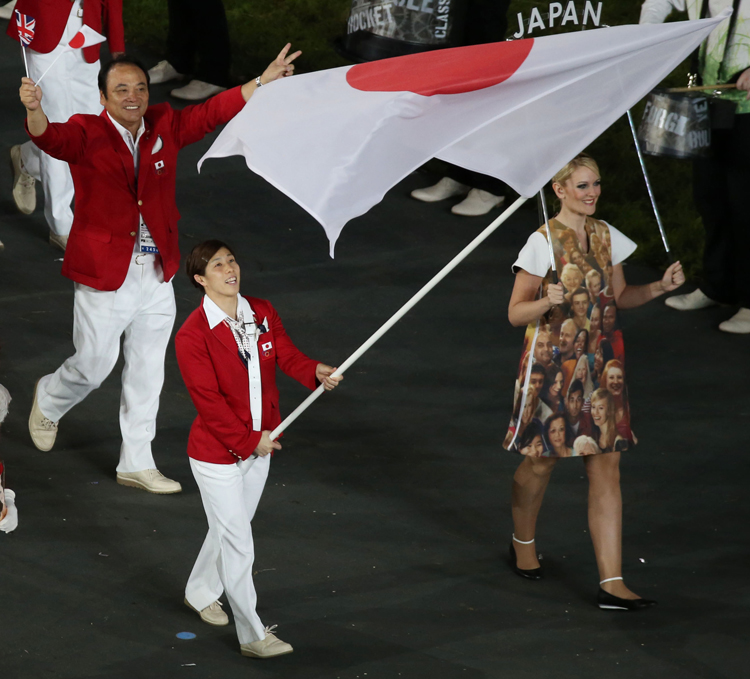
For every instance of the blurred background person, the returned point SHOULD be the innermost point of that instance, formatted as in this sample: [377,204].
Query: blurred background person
[721,178]
[486,21]
[197,45]
[70,87]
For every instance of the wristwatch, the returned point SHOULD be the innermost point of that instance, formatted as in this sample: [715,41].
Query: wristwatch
[258,83]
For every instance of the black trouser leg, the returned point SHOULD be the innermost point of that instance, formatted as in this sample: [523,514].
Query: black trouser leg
[181,38]
[213,52]
[711,195]
[476,180]
[738,189]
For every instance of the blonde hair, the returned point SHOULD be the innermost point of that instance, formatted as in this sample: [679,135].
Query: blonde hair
[611,432]
[581,160]
[592,274]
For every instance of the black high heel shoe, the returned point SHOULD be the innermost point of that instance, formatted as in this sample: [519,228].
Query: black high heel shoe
[531,574]
[610,602]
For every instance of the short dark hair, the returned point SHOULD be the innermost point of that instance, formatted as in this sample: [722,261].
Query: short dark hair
[533,430]
[539,368]
[118,61]
[579,291]
[200,256]
[575,385]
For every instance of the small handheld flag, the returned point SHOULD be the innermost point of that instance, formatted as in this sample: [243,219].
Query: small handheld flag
[84,38]
[26,26]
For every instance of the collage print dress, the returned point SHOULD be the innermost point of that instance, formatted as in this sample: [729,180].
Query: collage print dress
[571,395]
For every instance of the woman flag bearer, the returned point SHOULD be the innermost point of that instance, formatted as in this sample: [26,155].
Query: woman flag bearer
[228,350]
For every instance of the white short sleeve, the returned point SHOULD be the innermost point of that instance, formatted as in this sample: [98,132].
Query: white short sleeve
[622,246]
[534,256]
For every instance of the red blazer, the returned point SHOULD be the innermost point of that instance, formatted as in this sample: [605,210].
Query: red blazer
[104,16]
[218,383]
[108,201]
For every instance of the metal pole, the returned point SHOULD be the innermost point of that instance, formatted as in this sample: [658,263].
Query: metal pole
[648,187]
[545,215]
[400,313]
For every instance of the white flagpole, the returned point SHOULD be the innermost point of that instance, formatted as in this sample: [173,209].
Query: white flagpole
[25,63]
[51,65]
[400,313]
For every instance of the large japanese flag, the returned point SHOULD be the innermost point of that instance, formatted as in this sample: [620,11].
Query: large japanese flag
[335,141]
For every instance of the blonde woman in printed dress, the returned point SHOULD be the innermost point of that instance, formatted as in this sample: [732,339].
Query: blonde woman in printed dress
[534,298]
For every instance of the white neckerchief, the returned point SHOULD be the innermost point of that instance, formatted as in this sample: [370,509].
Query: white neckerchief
[215,316]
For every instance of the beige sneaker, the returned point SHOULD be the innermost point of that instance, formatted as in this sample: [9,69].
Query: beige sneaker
[43,430]
[445,188]
[58,241]
[6,11]
[24,193]
[212,614]
[477,203]
[690,301]
[196,90]
[739,324]
[269,647]
[150,480]
[163,72]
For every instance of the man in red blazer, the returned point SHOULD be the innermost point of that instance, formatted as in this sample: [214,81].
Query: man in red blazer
[123,249]
[70,88]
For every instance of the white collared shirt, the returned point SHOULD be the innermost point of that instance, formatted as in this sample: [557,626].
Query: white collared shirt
[215,315]
[144,235]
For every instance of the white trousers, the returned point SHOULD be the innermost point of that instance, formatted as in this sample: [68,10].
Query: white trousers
[230,494]
[69,88]
[143,310]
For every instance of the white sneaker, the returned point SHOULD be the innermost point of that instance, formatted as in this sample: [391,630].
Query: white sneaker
[58,241]
[477,203]
[739,324]
[690,301]
[445,188]
[269,647]
[6,11]
[212,614]
[150,480]
[163,72]
[196,90]
[24,193]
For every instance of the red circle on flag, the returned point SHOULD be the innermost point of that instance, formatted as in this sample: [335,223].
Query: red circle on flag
[77,41]
[449,71]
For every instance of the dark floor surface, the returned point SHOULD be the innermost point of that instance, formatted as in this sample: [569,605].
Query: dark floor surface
[382,532]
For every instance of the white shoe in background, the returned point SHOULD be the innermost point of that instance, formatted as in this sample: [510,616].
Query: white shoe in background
[690,301]
[196,90]
[445,188]
[163,72]
[6,11]
[739,324]
[477,203]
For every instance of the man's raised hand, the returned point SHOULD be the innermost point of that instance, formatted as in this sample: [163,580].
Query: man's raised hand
[281,66]
[30,94]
